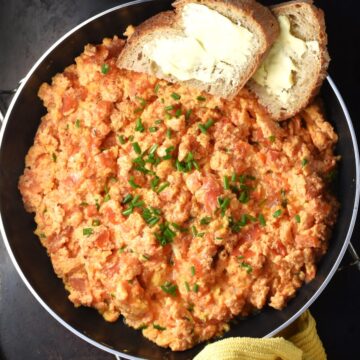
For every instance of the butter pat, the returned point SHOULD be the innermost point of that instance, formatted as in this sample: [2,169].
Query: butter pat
[212,47]
[276,73]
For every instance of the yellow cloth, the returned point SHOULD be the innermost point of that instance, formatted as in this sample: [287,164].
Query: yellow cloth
[299,341]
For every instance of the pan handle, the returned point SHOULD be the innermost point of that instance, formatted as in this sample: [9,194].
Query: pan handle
[5,97]
[355,256]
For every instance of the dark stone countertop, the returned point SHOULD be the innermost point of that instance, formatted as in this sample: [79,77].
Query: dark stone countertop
[27,29]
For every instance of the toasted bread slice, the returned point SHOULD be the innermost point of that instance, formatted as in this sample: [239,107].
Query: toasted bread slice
[308,69]
[223,77]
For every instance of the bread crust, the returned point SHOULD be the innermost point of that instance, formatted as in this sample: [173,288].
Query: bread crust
[263,21]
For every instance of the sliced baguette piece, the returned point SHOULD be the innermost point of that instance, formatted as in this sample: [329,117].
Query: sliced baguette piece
[170,25]
[308,24]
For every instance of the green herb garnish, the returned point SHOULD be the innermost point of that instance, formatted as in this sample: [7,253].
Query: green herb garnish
[122,139]
[105,68]
[139,125]
[205,220]
[169,288]
[158,327]
[204,127]
[132,183]
[262,220]
[226,182]
[162,187]
[223,204]
[175,96]
[88,231]
[95,222]
[166,235]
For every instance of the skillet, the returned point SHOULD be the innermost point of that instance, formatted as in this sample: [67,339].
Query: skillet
[30,258]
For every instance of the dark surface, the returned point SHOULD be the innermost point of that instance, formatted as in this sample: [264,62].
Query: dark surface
[27,28]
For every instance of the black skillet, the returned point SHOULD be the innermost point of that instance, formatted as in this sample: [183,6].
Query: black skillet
[30,258]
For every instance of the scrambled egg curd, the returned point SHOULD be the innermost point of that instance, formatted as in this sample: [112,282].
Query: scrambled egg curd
[173,208]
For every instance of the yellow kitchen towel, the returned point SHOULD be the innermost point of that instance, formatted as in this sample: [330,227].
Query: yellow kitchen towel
[299,341]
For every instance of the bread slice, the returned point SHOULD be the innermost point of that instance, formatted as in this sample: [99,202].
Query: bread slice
[222,78]
[306,23]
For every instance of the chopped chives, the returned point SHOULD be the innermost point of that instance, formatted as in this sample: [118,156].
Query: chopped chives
[168,133]
[226,183]
[158,122]
[175,96]
[224,204]
[154,182]
[178,113]
[153,129]
[196,288]
[141,100]
[162,187]
[277,213]
[156,88]
[158,327]
[127,199]
[88,231]
[202,128]
[244,197]
[233,177]
[165,235]
[188,114]
[122,139]
[187,286]
[168,108]
[192,269]
[77,123]
[105,68]
[205,220]
[132,183]
[54,157]
[272,138]
[153,149]
[95,222]
[200,98]
[169,288]
[136,147]
[107,197]
[246,266]
[139,125]
[262,220]
[304,162]
[297,218]
[128,211]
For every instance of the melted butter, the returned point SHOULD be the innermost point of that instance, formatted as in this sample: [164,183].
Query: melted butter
[210,48]
[276,72]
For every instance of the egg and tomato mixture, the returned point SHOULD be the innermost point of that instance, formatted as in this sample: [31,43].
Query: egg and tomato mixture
[173,208]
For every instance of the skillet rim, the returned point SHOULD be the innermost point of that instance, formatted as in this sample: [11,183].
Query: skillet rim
[272,333]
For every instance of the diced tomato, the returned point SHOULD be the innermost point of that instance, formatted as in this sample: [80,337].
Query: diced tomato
[103,240]
[110,215]
[306,241]
[69,104]
[212,190]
